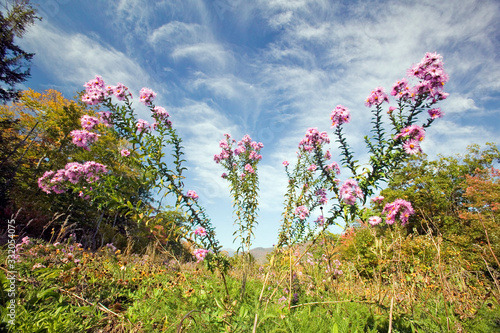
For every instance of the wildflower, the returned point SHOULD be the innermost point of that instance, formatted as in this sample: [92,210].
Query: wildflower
[88,122]
[146,96]
[411,132]
[200,231]
[435,113]
[340,115]
[302,211]
[400,206]
[125,152]
[200,254]
[312,167]
[320,221]
[120,91]
[333,166]
[142,125]
[349,191]
[105,118]
[322,198]
[285,163]
[82,138]
[248,168]
[162,115]
[378,199]
[37,266]
[313,139]
[192,194]
[377,97]
[94,91]
[224,175]
[374,220]
[412,147]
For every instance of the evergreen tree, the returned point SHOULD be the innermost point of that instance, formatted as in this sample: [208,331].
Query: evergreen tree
[14,64]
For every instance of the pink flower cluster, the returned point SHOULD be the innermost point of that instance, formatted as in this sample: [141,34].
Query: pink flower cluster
[320,221]
[377,97]
[146,96]
[125,152]
[246,149]
[322,196]
[340,115]
[313,139]
[349,191]
[200,254]
[431,75]
[88,122]
[192,194]
[160,114]
[142,125]
[312,168]
[400,206]
[83,138]
[200,231]
[96,91]
[333,166]
[412,135]
[302,212]
[73,172]
[105,118]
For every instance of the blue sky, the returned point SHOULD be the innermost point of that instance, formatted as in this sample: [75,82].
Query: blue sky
[272,69]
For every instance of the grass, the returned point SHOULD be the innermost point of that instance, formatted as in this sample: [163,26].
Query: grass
[66,288]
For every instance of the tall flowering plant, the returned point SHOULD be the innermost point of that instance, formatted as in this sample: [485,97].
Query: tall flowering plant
[241,166]
[148,145]
[313,180]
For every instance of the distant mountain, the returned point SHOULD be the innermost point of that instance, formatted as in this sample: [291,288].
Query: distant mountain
[259,253]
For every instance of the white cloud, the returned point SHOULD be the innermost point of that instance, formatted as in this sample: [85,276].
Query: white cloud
[77,58]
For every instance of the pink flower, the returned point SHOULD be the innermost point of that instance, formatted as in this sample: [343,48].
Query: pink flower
[105,118]
[142,125]
[200,231]
[349,191]
[120,91]
[333,166]
[435,113]
[94,91]
[392,209]
[412,147]
[83,138]
[340,115]
[146,96]
[192,194]
[88,122]
[412,132]
[302,211]
[285,163]
[320,221]
[248,168]
[322,196]
[200,254]
[378,199]
[402,90]
[313,139]
[125,152]
[377,97]
[224,175]
[374,220]
[312,167]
